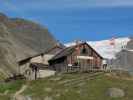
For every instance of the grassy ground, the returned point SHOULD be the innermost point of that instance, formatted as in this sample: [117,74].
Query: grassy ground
[8,89]
[72,87]
[11,87]
[78,87]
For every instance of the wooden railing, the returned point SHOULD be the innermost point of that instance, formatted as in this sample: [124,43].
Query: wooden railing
[86,68]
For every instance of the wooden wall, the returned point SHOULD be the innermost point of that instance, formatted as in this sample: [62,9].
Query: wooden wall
[64,64]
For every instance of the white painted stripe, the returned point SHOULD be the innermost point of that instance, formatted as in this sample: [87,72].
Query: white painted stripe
[130,50]
[70,65]
[85,57]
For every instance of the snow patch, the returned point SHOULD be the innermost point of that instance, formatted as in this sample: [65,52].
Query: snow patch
[104,48]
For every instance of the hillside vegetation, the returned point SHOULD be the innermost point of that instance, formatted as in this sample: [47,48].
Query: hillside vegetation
[70,87]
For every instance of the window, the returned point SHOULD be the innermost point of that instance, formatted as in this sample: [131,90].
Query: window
[75,64]
[84,51]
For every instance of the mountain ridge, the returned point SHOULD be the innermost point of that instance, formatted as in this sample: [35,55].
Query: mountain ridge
[20,39]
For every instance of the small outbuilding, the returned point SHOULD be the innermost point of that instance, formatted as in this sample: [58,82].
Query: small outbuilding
[124,58]
[38,66]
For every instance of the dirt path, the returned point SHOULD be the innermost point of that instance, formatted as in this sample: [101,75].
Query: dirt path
[17,95]
[72,81]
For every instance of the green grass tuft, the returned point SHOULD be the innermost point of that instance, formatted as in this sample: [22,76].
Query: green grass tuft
[12,87]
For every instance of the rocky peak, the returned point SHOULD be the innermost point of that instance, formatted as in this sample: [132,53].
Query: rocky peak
[3,17]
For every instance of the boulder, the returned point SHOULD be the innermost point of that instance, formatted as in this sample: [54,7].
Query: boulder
[115,92]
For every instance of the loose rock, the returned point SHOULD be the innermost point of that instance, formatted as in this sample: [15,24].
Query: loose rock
[115,92]
[48,89]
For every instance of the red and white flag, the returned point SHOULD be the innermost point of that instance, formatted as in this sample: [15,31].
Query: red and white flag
[112,42]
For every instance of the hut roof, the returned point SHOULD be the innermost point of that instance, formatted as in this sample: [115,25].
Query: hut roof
[70,50]
[61,46]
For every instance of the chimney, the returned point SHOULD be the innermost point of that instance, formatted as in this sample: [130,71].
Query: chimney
[77,42]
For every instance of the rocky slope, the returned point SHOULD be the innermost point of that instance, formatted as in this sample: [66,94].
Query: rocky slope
[19,39]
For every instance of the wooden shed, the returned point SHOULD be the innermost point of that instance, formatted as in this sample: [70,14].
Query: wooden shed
[81,57]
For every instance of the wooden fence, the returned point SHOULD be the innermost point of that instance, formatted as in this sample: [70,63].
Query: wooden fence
[87,69]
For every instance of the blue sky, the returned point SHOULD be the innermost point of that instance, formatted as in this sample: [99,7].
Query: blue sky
[69,20]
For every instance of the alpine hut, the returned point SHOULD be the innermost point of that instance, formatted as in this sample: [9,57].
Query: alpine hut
[80,57]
